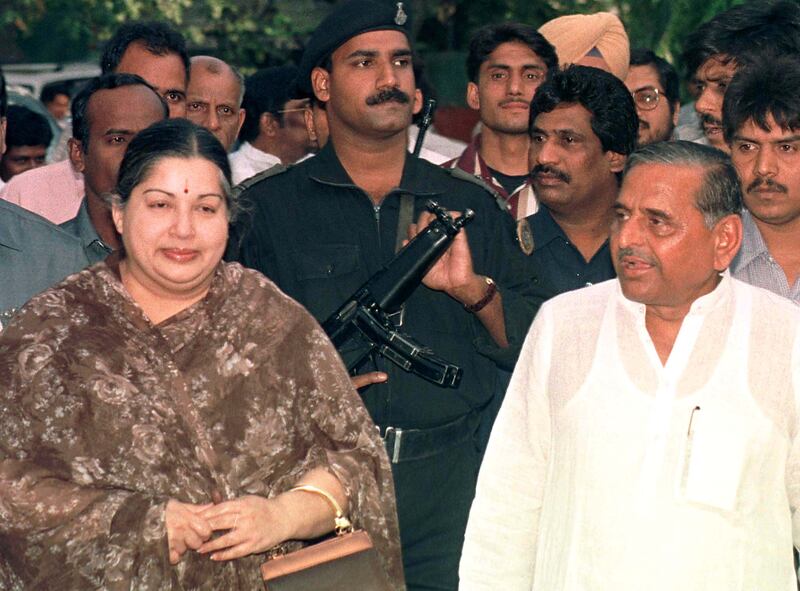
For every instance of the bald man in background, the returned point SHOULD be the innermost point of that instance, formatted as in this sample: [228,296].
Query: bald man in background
[214,98]
[596,40]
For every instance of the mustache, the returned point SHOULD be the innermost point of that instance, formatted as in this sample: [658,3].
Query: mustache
[629,251]
[707,119]
[759,182]
[386,95]
[550,170]
[515,101]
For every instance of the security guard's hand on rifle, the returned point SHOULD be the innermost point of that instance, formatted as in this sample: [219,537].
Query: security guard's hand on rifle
[454,274]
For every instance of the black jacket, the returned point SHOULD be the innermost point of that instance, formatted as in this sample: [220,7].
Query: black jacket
[319,237]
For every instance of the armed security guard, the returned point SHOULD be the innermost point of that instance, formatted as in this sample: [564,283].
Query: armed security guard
[321,228]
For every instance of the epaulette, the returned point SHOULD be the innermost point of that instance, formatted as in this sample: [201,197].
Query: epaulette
[465,176]
[257,178]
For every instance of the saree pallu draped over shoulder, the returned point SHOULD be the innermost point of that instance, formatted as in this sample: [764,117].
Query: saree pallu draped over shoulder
[104,417]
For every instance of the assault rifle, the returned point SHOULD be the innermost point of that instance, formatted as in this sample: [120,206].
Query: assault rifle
[364,321]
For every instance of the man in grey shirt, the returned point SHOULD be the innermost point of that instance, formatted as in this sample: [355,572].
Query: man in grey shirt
[106,114]
[761,122]
[34,253]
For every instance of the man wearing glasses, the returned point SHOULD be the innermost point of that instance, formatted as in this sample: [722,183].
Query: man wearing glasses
[274,129]
[654,85]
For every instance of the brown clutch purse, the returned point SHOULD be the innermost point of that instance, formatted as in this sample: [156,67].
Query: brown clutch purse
[346,562]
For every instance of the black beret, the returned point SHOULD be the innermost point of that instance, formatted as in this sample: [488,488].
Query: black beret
[346,21]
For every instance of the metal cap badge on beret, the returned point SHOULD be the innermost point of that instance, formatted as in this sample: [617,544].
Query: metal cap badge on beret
[346,21]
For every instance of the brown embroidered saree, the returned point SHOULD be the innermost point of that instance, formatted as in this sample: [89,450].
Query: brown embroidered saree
[104,417]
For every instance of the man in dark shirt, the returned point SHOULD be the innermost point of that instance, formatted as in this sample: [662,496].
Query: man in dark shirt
[322,227]
[583,126]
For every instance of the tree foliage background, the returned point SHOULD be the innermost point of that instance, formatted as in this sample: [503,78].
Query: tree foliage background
[258,33]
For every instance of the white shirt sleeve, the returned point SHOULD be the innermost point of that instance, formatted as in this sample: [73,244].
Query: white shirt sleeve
[793,464]
[500,541]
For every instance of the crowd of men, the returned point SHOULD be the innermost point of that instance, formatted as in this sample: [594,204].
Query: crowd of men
[649,434]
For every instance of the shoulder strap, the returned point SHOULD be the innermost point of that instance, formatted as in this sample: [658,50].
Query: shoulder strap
[257,178]
[404,219]
[471,178]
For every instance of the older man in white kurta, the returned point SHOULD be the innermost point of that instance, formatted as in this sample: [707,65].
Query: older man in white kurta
[648,440]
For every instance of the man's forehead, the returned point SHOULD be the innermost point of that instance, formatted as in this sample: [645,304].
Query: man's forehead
[565,116]
[502,52]
[26,151]
[642,76]
[717,67]
[768,128]
[154,68]
[666,186]
[204,82]
[137,55]
[124,103]
[380,41]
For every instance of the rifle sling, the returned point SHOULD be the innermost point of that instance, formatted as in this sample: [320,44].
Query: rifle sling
[404,219]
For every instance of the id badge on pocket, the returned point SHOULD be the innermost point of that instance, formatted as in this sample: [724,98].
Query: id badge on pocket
[714,457]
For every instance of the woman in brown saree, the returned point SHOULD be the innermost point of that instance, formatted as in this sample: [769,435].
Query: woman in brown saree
[157,408]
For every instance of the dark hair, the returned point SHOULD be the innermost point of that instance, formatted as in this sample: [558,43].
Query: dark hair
[158,37]
[27,128]
[744,32]
[3,95]
[769,87]
[488,38]
[171,138]
[80,123]
[266,91]
[614,120]
[424,84]
[667,76]
[52,90]
[720,193]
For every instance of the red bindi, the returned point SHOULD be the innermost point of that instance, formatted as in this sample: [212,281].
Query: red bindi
[186,186]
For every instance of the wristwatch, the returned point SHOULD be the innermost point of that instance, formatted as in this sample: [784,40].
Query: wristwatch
[491,290]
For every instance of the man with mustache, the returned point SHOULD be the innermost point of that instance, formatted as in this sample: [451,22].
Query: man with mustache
[761,117]
[730,41]
[650,437]
[583,126]
[322,227]
[214,98]
[654,85]
[505,65]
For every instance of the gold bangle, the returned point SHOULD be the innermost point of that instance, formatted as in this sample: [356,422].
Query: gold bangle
[341,524]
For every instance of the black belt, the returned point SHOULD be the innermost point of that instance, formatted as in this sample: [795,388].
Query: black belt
[413,444]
